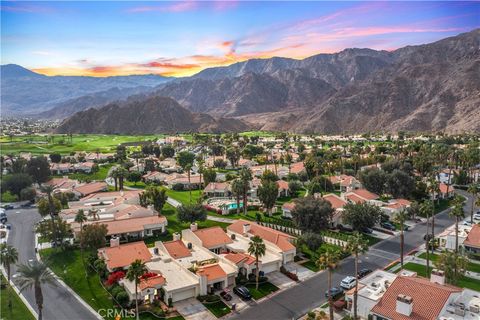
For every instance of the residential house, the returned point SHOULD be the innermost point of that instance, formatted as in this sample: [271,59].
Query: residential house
[447,238]
[297,167]
[154,177]
[217,189]
[61,168]
[89,188]
[120,256]
[283,189]
[85,167]
[337,204]
[287,209]
[395,206]
[472,241]
[446,192]
[345,183]
[360,196]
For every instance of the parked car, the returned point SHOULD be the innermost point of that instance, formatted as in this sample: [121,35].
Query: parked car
[427,235]
[345,228]
[367,230]
[476,216]
[7,206]
[3,217]
[225,295]
[467,223]
[387,225]
[242,292]
[334,292]
[363,272]
[348,282]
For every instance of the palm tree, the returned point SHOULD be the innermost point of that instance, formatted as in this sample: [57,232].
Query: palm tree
[114,175]
[426,208]
[245,177]
[237,190]
[8,255]
[356,245]
[434,188]
[458,213]
[33,275]
[121,173]
[80,218]
[134,272]
[329,261]
[400,218]
[257,248]
[473,190]
[48,189]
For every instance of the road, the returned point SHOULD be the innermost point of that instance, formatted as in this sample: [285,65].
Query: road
[307,295]
[59,304]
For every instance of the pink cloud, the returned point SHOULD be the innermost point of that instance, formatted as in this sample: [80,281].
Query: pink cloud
[171,7]
[24,8]
[224,5]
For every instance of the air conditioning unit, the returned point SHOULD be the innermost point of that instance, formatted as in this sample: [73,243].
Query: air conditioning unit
[189,246]
[232,236]
[475,308]
[155,251]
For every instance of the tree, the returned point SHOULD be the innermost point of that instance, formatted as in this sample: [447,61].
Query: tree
[135,271]
[312,240]
[373,180]
[191,213]
[453,264]
[269,175]
[185,160]
[28,193]
[329,261]
[473,189]
[312,214]
[294,187]
[400,218]
[237,191]
[121,153]
[33,275]
[361,216]
[427,209]
[458,213]
[113,173]
[16,182]
[257,248]
[8,256]
[233,155]
[157,197]
[267,193]
[168,151]
[39,169]
[134,177]
[400,184]
[209,175]
[357,245]
[245,177]
[121,173]
[93,236]
[55,157]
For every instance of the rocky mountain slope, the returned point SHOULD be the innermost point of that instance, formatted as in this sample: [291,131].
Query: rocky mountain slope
[147,115]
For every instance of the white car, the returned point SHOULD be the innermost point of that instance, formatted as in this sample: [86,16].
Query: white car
[476,216]
[348,282]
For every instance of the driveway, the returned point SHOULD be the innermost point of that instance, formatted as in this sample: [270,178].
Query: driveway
[192,309]
[59,304]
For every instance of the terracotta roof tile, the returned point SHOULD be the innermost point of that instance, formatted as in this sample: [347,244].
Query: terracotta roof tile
[151,282]
[335,201]
[212,237]
[89,188]
[212,272]
[473,238]
[238,258]
[124,254]
[177,249]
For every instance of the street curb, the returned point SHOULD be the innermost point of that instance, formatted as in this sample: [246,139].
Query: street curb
[70,290]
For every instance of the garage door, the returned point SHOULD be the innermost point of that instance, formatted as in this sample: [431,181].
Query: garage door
[267,268]
[183,294]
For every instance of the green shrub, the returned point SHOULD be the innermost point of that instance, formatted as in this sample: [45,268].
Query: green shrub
[9,197]
[177,187]
[122,298]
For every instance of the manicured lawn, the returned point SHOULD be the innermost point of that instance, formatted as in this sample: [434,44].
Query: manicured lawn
[311,265]
[264,289]
[184,196]
[219,308]
[138,185]
[393,266]
[463,282]
[100,175]
[444,204]
[474,267]
[19,310]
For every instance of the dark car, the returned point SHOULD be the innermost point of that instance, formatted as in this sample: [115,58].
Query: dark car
[225,295]
[367,230]
[341,227]
[387,225]
[334,292]
[7,207]
[242,292]
[26,205]
[363,272]
[429,237]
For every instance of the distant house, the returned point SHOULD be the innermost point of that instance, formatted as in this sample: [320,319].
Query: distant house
[360,196]
[472,242]
[217,189]
[395,206]
[297,167]
[192,183]
[121,256]
[345,183]
[154,176]
[61,168]
[337,204]
[89,188]
[283,189]
[85,167]
[287,209]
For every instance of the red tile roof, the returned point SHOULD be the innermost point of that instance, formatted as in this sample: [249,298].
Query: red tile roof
[365,194]
[280,239]
[212,237]
[297,167]
[238,258]
[282,184]
[89,188]
[212,272]
[353,197]
[335,201]
[428,298]
[123,255]
[473,238]
[288,206]
[152,282]
[177,249]
[130,225]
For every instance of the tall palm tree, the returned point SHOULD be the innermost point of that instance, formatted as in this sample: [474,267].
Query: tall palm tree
[245,176]
[473,189]
[329,261]
[8,255]
[356,245]
[257,248]
[400,218]
[458,213]
[426,208]
[48,189]
[114,175]
[80,218]
[121,173]
[134,272]
[237,190]
[434,188]
[33,275]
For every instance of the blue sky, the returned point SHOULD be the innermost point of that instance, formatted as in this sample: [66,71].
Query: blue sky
[182,38]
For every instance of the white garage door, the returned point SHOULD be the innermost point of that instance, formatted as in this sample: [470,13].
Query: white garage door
[270,267]
[183,294]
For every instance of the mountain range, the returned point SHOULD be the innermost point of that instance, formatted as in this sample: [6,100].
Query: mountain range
[431,87]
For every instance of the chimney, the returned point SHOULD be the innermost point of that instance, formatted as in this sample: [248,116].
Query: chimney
[121,193]
[193,227]
[404,305]
[437,276]
[114,242]
[246,228]
[176,236]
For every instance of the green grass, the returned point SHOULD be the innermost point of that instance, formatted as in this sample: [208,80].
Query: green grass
[463,282]
[393,266]
[138,185]
[100,175]
[19,310]
[219,308]
[264,289]
[473,267]
[80,142]
[443,205]
[311,265]
[184,196]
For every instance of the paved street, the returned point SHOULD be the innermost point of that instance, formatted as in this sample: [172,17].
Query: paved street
[298,300]
[59,304]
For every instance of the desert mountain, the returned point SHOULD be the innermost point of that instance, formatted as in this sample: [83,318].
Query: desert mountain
[146,115]
[27,92]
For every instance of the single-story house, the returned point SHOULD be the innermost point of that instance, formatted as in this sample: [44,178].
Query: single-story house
[217,189]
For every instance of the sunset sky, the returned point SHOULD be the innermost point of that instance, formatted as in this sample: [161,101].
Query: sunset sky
[182,38]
